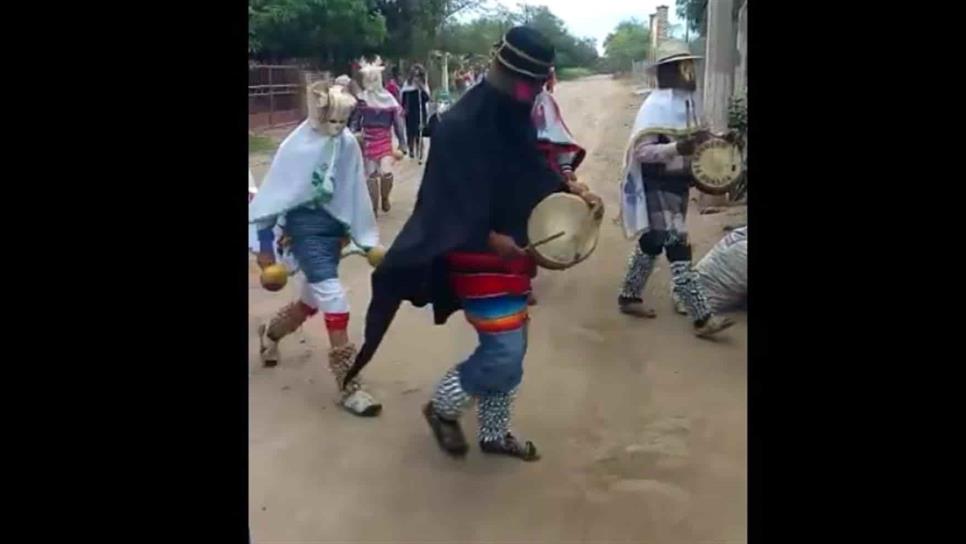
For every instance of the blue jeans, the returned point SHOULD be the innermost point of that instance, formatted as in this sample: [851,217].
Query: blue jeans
[496,366]
[316,242]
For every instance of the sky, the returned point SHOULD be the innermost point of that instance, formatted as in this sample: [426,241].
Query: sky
[597,18]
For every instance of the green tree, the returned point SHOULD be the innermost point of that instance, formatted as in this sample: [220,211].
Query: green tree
[414,26]
[331,31]
[571,51]
[478,36]
[630,41]
[337,31]
[475,37]
[695,13]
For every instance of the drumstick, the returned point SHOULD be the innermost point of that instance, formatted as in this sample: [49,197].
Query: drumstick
[545,240]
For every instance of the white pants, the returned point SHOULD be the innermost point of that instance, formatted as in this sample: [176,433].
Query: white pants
[327,296]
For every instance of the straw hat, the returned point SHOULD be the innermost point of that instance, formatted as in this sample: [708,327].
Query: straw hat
[673,51]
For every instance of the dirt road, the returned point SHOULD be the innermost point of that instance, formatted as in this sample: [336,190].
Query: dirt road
[641,425]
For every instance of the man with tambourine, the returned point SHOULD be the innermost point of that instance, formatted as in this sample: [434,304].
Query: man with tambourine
[667,153]
[469,244]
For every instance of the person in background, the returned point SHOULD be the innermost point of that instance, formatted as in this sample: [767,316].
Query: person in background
[312,200]
[723,273]
[350,87]
[378,114]
[463,246]
[654,190]
[555,141]
[415,96]
[393,86]
[554,138]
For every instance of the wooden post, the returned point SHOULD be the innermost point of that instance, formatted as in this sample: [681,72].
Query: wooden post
[741,71]
[719,72]
[444,83]
[307,79]
[271,97]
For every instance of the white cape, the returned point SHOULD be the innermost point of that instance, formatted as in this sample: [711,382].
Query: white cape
[664,111]
[379,99]
[252,234]
[304,155]
[550,124]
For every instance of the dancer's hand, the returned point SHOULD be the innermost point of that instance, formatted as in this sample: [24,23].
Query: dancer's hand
[265,259]
[576,187]
[595,202]
[505,246]
[687,145]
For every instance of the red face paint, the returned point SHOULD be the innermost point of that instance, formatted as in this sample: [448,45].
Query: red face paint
[525,92]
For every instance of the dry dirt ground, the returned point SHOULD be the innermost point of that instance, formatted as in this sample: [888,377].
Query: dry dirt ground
[641,424]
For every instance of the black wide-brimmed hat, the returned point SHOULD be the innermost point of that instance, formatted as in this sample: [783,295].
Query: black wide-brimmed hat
[525,51]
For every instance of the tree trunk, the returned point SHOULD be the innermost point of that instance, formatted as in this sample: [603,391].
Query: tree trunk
[719,72]
[719,65]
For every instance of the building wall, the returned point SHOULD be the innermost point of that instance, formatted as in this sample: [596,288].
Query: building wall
[662,23]
[658,31]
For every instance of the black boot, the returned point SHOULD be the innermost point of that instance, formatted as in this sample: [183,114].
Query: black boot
[449,434]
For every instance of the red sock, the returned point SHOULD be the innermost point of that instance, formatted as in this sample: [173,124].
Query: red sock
[337,322]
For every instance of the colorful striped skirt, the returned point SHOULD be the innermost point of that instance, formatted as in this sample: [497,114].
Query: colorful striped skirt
[493,292]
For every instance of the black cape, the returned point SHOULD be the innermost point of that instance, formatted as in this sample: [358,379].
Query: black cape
[484,173]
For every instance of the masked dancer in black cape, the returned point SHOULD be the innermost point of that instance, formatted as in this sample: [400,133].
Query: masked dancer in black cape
[462,249]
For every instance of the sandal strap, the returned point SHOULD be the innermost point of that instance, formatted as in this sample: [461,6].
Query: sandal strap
[510,445]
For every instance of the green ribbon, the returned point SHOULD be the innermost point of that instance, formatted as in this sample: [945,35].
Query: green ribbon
[323,176]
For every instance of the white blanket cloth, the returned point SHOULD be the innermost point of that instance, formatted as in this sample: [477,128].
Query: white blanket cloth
[550,124]
[379,99]
[723,272]
[252,232]
[310,167]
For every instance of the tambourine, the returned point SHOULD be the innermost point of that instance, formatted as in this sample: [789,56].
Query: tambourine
[563,231]
[716,166]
